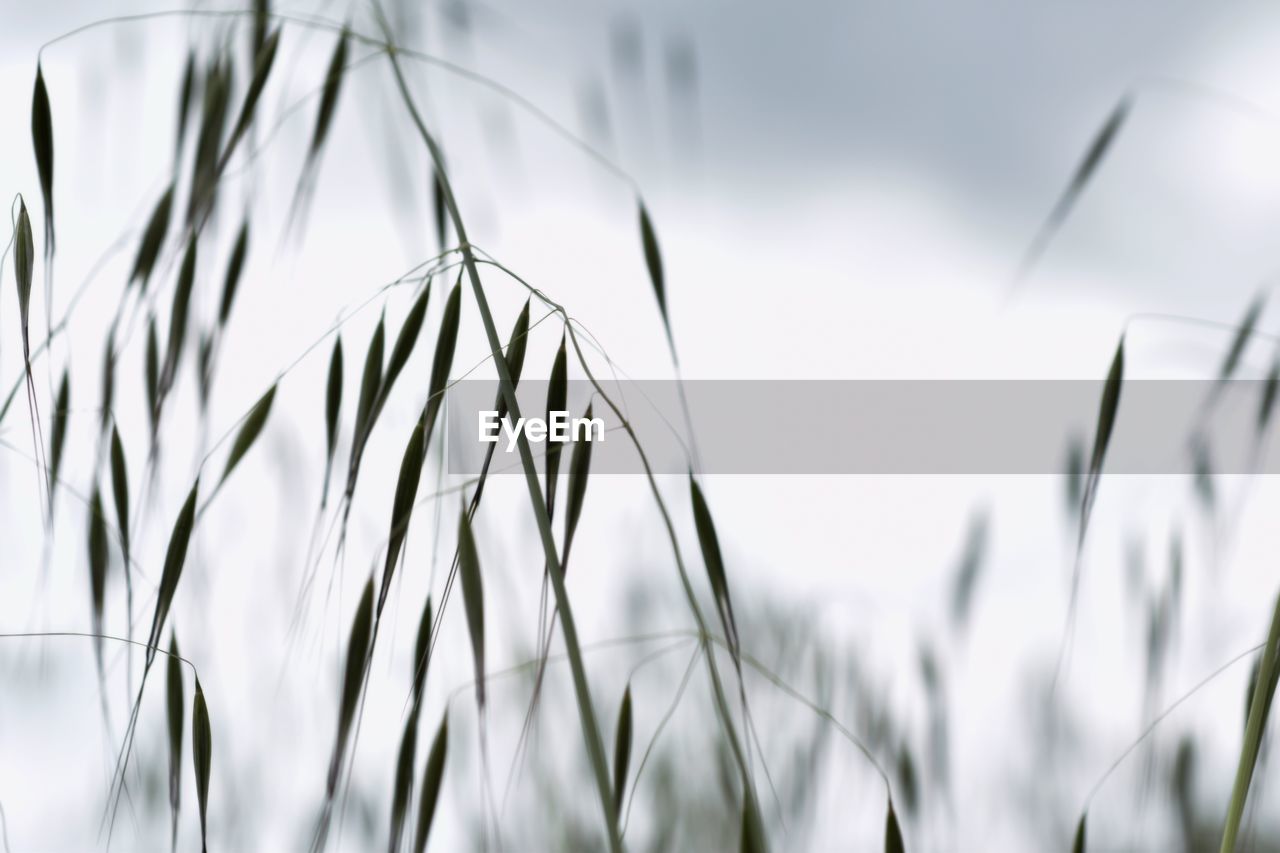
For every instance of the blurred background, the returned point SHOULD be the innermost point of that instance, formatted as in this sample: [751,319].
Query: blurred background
[840,191]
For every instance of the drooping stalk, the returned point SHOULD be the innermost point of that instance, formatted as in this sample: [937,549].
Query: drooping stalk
[586,711]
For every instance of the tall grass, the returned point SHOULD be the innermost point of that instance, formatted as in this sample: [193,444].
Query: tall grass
[224,118]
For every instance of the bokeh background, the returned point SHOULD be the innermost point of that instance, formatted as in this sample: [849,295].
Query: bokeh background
[841,191]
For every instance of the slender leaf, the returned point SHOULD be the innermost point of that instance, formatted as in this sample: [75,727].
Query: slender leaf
[235,266]
[1259,710]
[893,833]
[58,439]
[622,751]
[473,599]
[514,357]
[42,143]
[108,380]
[174,561]
[431,778]
[557,401]
[1078,845]
[352,681]
[710,545]
[152,374]
[185,94]
[332,407]
[24,259]
[250,430]
[1247,324]
[329,96]
[518,343]
[403,348]
[204,367]
[98,558]
[176,704]
[403,790]
[265,58]
[152,239]
[201,758]
[1268,402]
[369,385]
[120,490]
[217,93]
[751,840]
[1084,171]
[1102,435]
[402,507]
[975,550]
[178,318]
[438,207]
[579,469]
[421,647]
[653,260]
[446,343]
[261,20]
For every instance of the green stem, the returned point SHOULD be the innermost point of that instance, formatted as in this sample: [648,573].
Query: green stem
[590,727]
[1262,694]
[704,633]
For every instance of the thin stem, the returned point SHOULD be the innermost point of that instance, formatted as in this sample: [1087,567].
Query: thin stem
[718,692]
[1159,718]
[91,636]
[590,726]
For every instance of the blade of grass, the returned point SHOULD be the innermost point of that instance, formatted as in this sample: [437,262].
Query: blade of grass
[265,59]
[473,600]
[751,841]
[235,266]
[58,438]
[329,97]
[431,778]
[249,432]
[176,705]
[653,260]
[402,507]
[717,687]
[557,401]
[1107,409]
[1259,710]
[152,376]
[403,789]
[152,240]
[120,492]
[178,319]
[332,408]
[400,352]
[711,556]
[204,175]
[98,561]
[186,91]
[893,833]
[370,380]
[1084,171]
[442,363]
[1247,324]
[622,750]
[174,561]
[201,759]
[42,144]
[358,650]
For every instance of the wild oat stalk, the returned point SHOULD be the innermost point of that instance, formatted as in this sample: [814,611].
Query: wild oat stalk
[586,711]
